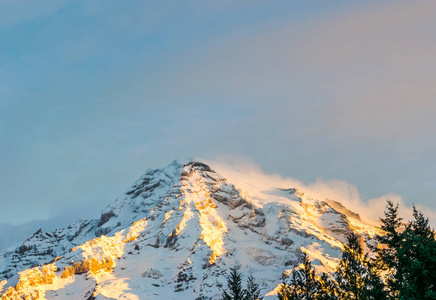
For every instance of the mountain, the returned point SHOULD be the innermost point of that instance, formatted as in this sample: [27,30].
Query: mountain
[174,234]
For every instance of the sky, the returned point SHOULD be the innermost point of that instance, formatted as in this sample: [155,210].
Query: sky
[93,93]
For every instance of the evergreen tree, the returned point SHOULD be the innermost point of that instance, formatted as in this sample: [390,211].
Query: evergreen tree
[356,275]
[234,284]
[303,283]
[328,289]
[305,279]
[387,251]
[417,260]
[286,291]
[252,292]
[291,290]
[407,257]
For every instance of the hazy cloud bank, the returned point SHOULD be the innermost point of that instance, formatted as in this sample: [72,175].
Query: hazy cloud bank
[243,171]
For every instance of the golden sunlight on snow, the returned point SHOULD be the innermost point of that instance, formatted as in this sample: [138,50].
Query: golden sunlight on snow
[212,225]
[186,235]
[97,259]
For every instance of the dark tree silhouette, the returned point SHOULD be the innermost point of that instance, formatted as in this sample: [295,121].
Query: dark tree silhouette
[328,288]
[405,254]
[416,274]
[387,250]
[252,292]
[357,277]
[303,283]
[234,285]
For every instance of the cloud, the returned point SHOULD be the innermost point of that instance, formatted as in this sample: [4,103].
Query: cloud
[249,175]
[305,92]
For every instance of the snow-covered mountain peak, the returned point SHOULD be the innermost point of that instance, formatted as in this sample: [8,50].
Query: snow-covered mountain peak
[175,232]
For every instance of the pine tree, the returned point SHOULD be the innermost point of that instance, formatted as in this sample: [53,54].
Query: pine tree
[389,243]
[291,290]
[328,289]
[252,292]
[306,279]
[234,284]
[417,260]
[303,283]
[286,291]
[356,275]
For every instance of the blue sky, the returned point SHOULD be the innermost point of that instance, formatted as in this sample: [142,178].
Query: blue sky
[92,93]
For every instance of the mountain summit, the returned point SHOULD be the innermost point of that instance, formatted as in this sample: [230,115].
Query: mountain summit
[174,234]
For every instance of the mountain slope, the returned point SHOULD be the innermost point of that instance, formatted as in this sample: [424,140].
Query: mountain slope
[174,234]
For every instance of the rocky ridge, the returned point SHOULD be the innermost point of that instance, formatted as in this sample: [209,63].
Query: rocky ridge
[174,233]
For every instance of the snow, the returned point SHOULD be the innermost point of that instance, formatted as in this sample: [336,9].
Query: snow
[176,232]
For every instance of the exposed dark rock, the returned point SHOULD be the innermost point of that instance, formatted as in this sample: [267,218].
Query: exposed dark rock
[105,217]
[136,193]
[102,231]
[151,187]
[302,233]
[286,241]
[290,263]
[290,190]
[256,218]
[90,295]
[171,239]
[200,166]
[342,209]
[233,201]
[184,277]
[23,248]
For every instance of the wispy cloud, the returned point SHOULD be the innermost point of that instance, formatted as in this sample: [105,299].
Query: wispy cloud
[106,89]
[243,171]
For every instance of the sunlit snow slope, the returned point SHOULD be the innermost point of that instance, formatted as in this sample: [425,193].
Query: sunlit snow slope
[174,234]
